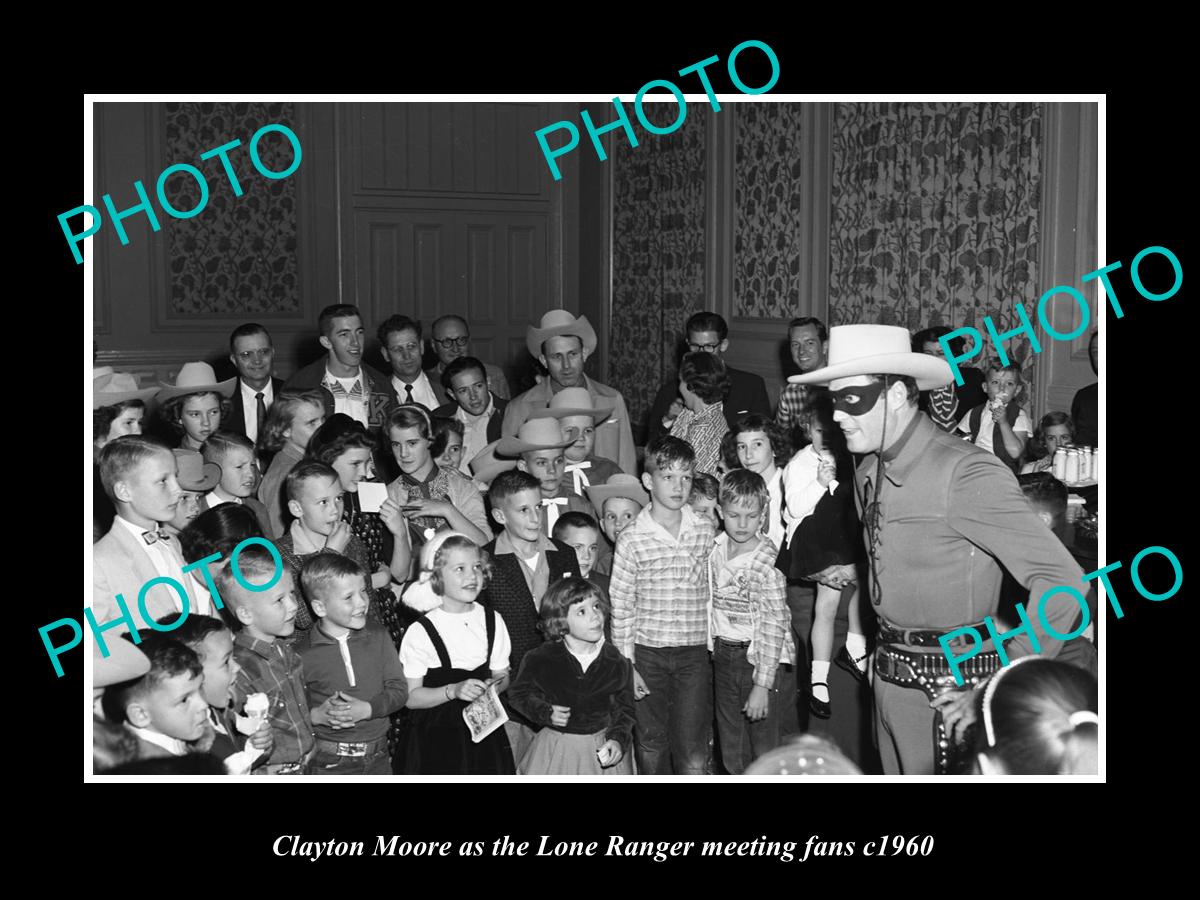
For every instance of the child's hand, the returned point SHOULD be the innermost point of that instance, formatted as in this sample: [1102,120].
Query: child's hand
[674,410]
[560,715]
[825,473]
[339,538]
[610,754]
[390,513]
[471,689]
[263,740]
[354,710]
[756,705]
[639,686]
[320,714]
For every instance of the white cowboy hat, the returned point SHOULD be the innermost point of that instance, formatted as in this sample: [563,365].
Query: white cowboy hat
[559,322]
[877,350]
[536,434]
[110,388]
[572,402]
[485,465]
[619,485]
[196,378]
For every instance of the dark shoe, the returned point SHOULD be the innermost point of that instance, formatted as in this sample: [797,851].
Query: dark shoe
[819,708]
[843,660]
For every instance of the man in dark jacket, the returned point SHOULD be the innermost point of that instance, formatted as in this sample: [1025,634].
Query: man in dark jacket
[472,403]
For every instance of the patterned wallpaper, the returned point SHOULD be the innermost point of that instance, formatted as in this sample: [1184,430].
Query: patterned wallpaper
[767,197]
[658,251]
[935,214]
[238,256]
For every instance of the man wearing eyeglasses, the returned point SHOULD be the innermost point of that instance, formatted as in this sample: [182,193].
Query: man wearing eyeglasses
[451,340]
[253,355]
[707,332]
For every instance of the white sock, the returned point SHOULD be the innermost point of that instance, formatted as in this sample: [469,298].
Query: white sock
[856,646]
[820,672]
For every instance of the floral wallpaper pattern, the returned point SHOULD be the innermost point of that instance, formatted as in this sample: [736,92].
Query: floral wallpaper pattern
[239,255]
[934,217]
[767,197]
[658,252]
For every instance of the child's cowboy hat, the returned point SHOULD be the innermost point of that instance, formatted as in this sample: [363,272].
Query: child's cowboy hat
[556,323]
[194,473]
[619,485]
[196,378]
[573,402]
[124,662]
[536,434]
[110,388]
[485,465]
[877,350]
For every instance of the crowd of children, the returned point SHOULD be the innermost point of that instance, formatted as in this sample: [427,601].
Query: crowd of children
[478,603]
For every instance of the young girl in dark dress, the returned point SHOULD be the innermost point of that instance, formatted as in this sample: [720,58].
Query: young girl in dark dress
[450,655]
[578,686]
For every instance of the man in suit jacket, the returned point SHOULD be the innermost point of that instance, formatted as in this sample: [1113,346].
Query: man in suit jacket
[563,343]
[139,475]
[473,404]
[708,331]
[252,354]
[451,339]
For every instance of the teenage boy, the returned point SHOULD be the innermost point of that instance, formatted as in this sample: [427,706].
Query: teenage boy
[660,600]
[474,404]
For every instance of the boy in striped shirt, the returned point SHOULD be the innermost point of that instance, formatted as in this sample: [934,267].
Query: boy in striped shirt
[660,600]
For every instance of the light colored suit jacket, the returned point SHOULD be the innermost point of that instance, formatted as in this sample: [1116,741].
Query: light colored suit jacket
[614,436]
[121,566]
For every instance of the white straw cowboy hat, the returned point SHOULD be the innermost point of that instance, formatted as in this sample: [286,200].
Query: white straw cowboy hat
[572,402]
[558,322]
[110,388]
[536,434]
[619,485]
[196,378]
[485,465]
[877,350]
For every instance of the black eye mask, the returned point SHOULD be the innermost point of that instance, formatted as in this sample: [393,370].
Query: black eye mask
[854,401]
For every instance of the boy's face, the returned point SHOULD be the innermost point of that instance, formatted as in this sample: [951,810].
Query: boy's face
[743,519]
[470,389]
[409,448]
[306,420]
[546,466]
[216,655]
[1002,384]
[705,508]
[521,514]
[239,474]
[452,455]
[403,353]
[619,513]
[343,602]
[175,708]
[345,340]
[352,467]
[669,487]
[581,430]
[267,614]
[188,509]
[128,422]
[754,451]
[200,416]
[151,489]
[585,542]
[319,506]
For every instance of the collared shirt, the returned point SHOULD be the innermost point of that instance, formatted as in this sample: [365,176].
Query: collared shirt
[659,588]
[275,670]
[537,574]
[564,500]
[211,499]
[350,395]
[250,406]
[368,655]
[750,603]
[792,402]
[168,564]
[951,514]
[474,433]
[704,431]
[422,391]
[172,745]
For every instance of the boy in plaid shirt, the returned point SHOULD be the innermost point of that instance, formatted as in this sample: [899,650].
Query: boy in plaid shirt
[660,600]
[750,625]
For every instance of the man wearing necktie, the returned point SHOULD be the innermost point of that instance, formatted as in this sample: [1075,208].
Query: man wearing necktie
[253,355]
[403,349]
[940,517]
[539,444]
